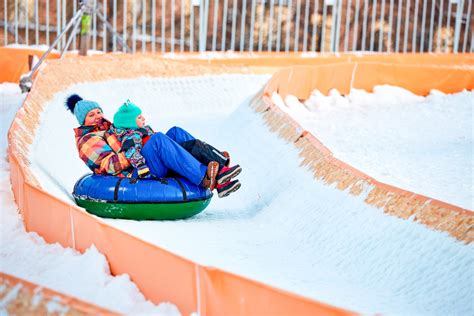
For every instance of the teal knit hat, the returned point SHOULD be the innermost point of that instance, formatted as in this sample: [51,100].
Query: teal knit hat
[83,107]
[126,115]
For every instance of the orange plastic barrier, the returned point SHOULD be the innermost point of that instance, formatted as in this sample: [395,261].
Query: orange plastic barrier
[14,62]
[161,275]
[23,303]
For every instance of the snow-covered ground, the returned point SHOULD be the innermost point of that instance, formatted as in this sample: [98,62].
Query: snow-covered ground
[420,144]
[28,256]
[282,227]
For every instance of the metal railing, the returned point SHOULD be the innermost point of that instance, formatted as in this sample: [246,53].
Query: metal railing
[248,25]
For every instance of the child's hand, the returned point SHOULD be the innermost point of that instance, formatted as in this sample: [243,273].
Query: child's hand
[129,143]
[143,172]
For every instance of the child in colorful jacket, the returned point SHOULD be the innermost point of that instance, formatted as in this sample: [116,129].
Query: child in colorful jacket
[130,129]
[169,151]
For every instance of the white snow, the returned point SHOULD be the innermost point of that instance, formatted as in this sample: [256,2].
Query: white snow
[420,144]
[282,227]
[28,256]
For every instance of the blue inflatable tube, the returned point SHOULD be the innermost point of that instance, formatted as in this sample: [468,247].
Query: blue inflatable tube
[159,199]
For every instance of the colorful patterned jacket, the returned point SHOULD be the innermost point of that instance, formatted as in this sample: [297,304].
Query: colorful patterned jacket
[132,142]
[100,150]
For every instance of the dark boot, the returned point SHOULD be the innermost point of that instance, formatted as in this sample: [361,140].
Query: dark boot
[204,152]
[226,173]
[227,188]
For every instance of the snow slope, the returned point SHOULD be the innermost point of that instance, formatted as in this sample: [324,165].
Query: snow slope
[283,227]
[422,144]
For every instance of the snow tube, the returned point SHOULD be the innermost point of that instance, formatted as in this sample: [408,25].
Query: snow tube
[140,199]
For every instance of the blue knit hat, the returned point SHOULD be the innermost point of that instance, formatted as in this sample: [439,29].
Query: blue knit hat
[126,116]
[80,107]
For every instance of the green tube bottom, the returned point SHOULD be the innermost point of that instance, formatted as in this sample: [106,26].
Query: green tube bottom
[144,211]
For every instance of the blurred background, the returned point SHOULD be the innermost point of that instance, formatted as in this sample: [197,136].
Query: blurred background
[247,25]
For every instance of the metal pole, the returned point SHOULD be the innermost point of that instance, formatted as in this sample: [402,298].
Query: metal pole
[346,30]
[47,22]
[423,21]
[297,26]
[448,27]
[36,23]
[183,20]
[191,29]
[104,28]
[153,26]
[334,25]
[390,24]
[203,30]
[288,26]
[430,43]
[26,25]
[323,26]
[364,24]
[163,31]
[124,25]
[270,27]
[5,18]
[407,19]
[415,27]
[224,26]
[440,25]
[305,32]
[337,32]
[260,30]
[214,27]
[144,33]
[399,19]
[74,10]
[16,22]
[468,23]
[63,18]
[280,8]
[252,25]
[134,27]
[457,27]
[315,26]
[242,25]
[372,28]
[356,26]
[172,26]
[234,26]
[94,27]
[382,20]
[114,38]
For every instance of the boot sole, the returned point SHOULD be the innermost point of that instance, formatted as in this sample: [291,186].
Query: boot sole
[230,190]
[229,176]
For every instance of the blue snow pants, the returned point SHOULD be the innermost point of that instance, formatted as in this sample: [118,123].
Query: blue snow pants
[163,152]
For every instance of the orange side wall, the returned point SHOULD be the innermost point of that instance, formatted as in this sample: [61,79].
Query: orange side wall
[32,289]
[161,275]
[14,62]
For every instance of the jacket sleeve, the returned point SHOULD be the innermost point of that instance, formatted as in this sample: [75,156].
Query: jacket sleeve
[100,157]
[132,146]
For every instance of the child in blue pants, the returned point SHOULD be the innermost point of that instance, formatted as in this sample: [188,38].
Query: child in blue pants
[178,151]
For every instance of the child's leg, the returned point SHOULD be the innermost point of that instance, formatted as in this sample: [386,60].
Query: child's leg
[162,153]
[179,135]
[200,150]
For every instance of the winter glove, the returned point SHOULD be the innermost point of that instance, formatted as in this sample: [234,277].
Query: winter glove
[143,172]
[129,143]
